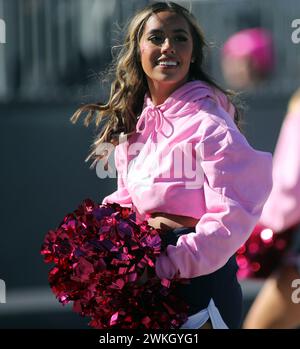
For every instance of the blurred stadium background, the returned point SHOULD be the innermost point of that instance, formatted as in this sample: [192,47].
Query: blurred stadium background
[49,65]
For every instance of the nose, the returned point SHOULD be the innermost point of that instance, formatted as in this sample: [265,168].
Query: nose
[167,46]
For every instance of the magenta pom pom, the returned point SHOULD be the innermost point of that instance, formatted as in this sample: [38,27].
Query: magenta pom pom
[101,257]
[262,253]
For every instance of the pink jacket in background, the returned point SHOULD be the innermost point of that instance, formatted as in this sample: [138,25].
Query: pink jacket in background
[188,158]
[282,209]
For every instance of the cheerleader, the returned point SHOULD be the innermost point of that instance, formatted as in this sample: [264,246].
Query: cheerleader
[182,162]
[275,306]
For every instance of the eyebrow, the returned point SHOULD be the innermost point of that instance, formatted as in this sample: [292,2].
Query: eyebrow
[156,31]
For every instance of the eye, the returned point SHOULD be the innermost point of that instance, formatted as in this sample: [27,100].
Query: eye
[156,39]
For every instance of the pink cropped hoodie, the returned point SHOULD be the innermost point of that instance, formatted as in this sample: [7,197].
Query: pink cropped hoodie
[282,209]
[188,158]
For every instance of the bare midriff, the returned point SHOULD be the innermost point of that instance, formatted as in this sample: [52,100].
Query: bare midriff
[167,221]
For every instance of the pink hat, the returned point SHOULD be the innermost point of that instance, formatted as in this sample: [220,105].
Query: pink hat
[256,44]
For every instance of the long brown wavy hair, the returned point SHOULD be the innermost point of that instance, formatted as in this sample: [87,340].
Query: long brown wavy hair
[129,86]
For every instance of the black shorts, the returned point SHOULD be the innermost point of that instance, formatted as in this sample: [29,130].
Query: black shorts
[222,286]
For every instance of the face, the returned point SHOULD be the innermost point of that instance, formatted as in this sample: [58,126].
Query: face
[166,49]
[237,72]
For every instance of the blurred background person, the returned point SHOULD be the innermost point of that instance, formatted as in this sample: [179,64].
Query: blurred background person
[274,306]
[247,62]
[247,58]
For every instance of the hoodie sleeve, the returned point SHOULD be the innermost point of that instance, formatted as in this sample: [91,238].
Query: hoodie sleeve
[121,195]
[238,180]
[281,210]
